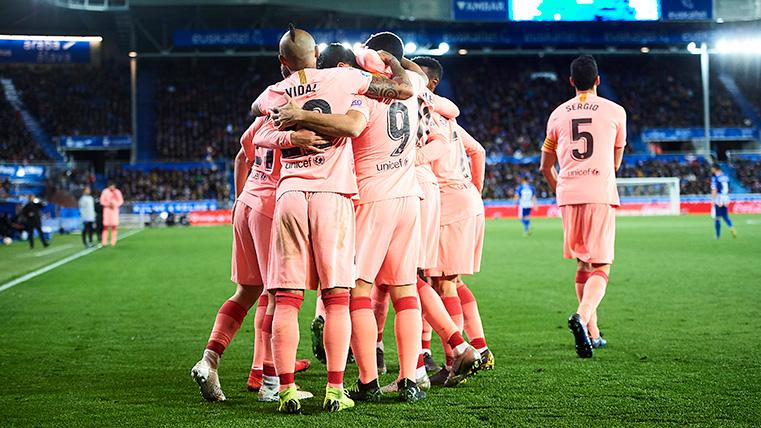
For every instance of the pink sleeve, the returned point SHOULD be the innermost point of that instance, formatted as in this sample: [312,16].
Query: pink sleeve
[551,141]
[271,97]
[104,199]
[621,130]
[247,139]
[445,107]
[477,155]
[432,151]
[269,137]
[119,198]
[362,105]
[356,80]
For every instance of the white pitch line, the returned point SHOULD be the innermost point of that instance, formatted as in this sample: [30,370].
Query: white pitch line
[61,262]
[53,250]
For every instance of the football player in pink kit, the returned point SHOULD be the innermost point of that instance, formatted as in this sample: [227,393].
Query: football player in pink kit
[313,224]
[461,219]
[110,199]
[387,213]
[428,103]
[586,137]
[252,224]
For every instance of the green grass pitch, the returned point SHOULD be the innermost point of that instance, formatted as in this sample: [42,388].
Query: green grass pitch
[109,339]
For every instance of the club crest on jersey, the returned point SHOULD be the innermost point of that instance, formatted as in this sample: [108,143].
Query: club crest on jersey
[301,90]
[319,160]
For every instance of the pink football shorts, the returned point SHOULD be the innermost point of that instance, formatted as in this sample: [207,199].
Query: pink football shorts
[388,236]
[589,232]
[460,247]
[430,221]
[251,245]
[312,241]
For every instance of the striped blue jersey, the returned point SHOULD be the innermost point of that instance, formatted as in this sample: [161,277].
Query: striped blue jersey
[525,193]
[720,183]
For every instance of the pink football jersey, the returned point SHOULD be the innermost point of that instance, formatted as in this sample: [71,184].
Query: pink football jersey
[261,184]
[584,133]
[328,91]
[423,170]
[384,153]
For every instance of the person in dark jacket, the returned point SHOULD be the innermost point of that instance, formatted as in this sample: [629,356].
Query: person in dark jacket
[31,212]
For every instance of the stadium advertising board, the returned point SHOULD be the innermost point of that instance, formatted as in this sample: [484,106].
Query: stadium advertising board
[698,204]
[590,10]
[475,10]
[177,207]
[46,50]
[210,217]
[687,134]
[518,35]
[687,10]
[23,172]
[95,142]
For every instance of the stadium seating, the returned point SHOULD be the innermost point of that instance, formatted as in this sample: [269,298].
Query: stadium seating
[175,185]
[749,173]
[202,109]
[76,100]
[15,142]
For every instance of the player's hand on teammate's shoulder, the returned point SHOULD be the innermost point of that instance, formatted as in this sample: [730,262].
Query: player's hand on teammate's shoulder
[387,58]
[287,115]
[308,140]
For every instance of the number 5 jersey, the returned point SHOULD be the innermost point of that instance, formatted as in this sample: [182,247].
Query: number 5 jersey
[584,132]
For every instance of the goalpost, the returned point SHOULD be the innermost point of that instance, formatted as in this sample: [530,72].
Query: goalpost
[649,196]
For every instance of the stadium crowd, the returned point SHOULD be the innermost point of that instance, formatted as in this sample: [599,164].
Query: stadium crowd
[76,100]
[749,173]
[201,109]
[179,185]
[15,142]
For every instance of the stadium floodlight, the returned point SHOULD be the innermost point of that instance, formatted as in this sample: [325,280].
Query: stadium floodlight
[132,54]
[357,46]
[443,47]
[644,49]
[693,48]
[52,38]
[463,52]
[321,47]
[750,46]
[410,47]
[347,45]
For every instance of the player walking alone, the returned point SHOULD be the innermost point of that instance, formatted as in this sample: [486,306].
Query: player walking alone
[111,199]
[586,137]
[720,198]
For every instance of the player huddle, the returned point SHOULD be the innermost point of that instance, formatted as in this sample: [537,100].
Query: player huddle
[355,180]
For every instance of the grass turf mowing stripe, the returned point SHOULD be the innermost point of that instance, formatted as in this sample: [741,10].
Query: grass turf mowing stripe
[38,272]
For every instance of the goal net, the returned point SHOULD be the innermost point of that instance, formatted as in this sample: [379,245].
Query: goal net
[648,196]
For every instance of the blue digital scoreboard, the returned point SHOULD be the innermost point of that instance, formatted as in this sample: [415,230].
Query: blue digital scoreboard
[585,10]
[48,49]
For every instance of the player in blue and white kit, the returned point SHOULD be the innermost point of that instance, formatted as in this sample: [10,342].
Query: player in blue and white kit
[525,194]
[720,198]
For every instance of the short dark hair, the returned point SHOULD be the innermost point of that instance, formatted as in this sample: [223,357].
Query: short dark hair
[335,53]
[432,64]
[584,72]
[387,41]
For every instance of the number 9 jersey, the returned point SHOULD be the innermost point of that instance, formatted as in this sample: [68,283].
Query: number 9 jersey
[584,133]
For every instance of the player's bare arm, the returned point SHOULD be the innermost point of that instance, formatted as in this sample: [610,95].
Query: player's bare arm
[618,157]
[411,66]
[350,124]
[306,139]
[397,87]
[547,166]
[241,168]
